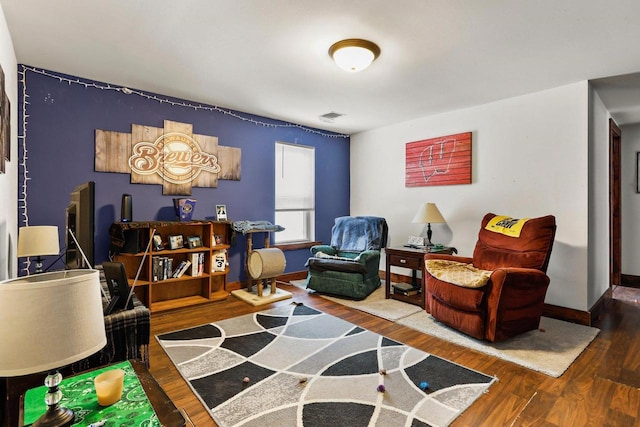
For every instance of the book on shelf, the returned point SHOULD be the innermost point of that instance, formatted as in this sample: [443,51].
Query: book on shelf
[408,293]
[197,264]
[181,269]
[155,265]
[405,289]
[168,268]
[161,268]
[200,263]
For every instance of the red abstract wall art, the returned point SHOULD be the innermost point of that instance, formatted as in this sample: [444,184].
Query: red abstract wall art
[439,161]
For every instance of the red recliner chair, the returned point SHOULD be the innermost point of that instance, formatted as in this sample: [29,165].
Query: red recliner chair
[512,300]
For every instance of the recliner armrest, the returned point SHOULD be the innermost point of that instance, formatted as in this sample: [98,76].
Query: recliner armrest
[329,250]
[512,290]
[370,255]
[336,265]
[516,277]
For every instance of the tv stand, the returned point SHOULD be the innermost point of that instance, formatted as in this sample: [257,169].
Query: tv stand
[164,292]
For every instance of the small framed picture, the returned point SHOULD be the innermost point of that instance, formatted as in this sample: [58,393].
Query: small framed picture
[175,241]
[221,212]
[194,242]
[157,242]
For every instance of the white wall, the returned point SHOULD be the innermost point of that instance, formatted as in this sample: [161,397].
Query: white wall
[630,201]
[9,180]
[530,158]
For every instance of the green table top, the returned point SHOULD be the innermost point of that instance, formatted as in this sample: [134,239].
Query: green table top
[79,395]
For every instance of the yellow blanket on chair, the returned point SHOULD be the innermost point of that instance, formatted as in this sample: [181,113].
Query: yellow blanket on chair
[457,273]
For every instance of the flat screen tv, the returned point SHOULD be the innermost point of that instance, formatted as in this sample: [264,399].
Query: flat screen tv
[80,220]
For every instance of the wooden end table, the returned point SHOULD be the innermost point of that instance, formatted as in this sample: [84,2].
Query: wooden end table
[166,411]
[412,258]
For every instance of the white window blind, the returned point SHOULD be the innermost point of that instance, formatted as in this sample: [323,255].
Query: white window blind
[295,192]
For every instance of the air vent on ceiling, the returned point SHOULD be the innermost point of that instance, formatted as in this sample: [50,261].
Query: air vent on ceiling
[330,117]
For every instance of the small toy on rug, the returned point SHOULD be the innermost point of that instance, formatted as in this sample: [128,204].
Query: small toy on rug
[424,385]
[383,371]
[381,388]
[246,380]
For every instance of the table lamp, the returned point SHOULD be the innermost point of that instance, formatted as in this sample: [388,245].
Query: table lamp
[48,321]
[38,240]
[429,214]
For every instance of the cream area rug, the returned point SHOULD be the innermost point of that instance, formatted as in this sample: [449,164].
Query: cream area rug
[293,365]
[551,349]
[375,304]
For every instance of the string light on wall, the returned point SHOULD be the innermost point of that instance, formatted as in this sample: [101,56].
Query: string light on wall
[22,137]
[22,201]
[185,104]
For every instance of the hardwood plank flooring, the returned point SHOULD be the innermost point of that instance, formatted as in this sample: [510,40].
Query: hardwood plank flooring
[600,389]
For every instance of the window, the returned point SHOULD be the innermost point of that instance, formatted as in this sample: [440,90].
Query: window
[295,193]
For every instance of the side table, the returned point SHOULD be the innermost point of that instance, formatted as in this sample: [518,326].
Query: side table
[165,411]
[412,258]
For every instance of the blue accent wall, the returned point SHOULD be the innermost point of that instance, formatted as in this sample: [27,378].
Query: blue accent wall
[58,131]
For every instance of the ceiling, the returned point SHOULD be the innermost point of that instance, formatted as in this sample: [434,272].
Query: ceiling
[269,57]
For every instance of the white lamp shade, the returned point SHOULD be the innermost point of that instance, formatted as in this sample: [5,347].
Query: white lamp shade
[38,240]
[354,55]
[429,213]
[353,59]
[49,320]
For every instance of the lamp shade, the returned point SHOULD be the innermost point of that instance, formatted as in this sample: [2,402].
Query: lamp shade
[38,240]
[429,213]
[354,55]
[49,320]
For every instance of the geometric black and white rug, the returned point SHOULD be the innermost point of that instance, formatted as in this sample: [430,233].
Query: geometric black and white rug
[550,349]
[293,365]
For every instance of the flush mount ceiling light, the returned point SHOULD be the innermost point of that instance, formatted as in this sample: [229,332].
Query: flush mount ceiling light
[354,55]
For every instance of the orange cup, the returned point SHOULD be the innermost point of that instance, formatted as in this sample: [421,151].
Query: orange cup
[109,386]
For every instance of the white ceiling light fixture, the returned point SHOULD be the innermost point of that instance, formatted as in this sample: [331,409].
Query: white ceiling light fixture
[354,55]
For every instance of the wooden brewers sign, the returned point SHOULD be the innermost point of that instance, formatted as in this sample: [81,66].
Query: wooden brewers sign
[439,161]
[172,156]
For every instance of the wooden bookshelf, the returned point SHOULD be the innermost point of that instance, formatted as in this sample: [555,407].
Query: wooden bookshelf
[156,288]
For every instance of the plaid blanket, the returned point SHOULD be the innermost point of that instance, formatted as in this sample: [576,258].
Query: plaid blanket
[128,333]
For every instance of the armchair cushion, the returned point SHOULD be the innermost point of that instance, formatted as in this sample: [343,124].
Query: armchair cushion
[458,273]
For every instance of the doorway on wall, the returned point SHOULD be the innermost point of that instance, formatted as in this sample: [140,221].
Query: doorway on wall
[622,286]
[615,222]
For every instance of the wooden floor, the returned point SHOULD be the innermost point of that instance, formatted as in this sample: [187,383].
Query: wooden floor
[602,388]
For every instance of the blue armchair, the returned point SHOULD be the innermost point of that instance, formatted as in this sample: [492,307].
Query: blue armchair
[349,266]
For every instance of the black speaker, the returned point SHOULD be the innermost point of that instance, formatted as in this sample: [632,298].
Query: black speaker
[126,208]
